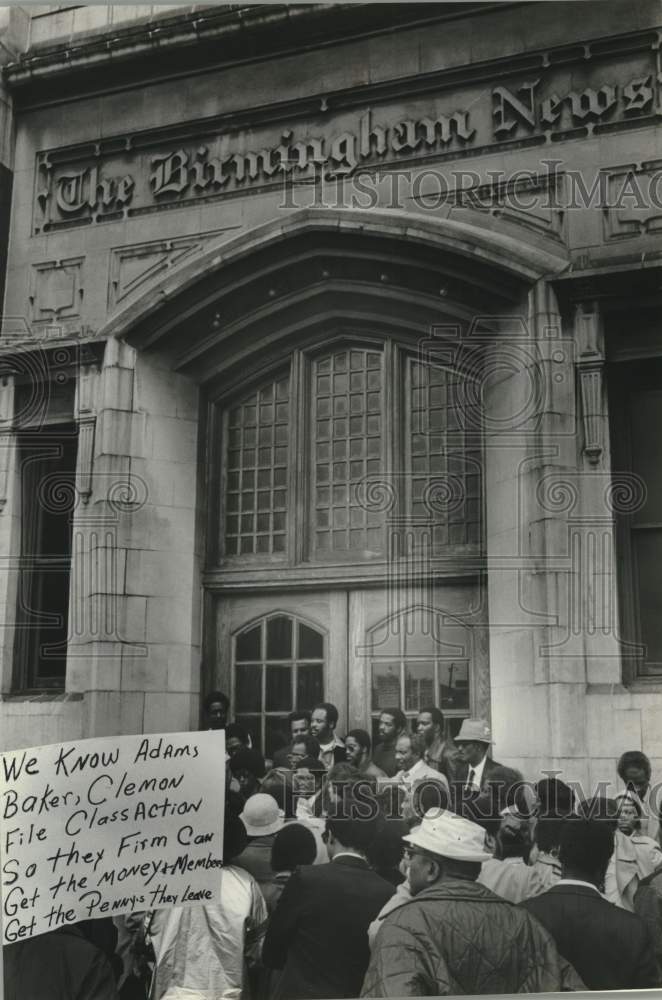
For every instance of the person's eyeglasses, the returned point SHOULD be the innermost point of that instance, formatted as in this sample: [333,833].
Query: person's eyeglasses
[413,852]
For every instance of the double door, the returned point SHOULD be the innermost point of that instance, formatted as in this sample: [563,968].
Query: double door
[364,650]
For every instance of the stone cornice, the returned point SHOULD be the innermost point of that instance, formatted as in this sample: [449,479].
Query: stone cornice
[218,35]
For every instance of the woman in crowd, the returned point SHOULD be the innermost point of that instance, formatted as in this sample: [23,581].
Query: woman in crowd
[293,846]
[544,857]
[247,768]
[508,872]
[635,857]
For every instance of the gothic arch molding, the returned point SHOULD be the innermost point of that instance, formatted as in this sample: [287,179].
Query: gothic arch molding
[326,265]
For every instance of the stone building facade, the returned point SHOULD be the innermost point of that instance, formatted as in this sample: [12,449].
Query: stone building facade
[330,369]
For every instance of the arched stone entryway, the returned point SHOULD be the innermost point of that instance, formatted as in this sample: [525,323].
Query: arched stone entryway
[376,294]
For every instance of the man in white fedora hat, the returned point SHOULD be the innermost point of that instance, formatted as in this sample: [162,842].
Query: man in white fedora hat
[455,936]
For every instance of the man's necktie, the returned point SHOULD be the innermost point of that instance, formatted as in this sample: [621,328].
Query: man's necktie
[469,787]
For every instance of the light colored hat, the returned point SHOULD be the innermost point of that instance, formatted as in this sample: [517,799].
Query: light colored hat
[474,730]
[450,836]
[261,815]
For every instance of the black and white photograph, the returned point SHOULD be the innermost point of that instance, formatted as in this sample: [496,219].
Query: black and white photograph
[330,499]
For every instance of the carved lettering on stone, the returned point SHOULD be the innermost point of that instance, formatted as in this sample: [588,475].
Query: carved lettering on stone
[169,173]
[88,190]
[638,94]
[113,179]
[511,109]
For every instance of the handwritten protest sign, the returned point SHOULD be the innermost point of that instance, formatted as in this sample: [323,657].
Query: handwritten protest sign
[101,827]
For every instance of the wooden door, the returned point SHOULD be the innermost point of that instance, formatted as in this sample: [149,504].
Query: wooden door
[281,651]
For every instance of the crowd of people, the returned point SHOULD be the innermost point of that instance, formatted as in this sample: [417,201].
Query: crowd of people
[416,867]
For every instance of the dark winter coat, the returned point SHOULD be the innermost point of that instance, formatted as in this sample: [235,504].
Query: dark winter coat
[460,938]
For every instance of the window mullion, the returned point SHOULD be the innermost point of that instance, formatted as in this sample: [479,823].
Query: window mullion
[298,466]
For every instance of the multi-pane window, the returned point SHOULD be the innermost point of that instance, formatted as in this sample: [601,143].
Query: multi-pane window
[418,660]
[348,448]
[445,465]
[257,470]
[278,667]
[47,470]
[309,456]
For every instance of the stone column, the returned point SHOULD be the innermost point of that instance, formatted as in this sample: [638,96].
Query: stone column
[538,677]
[14,30]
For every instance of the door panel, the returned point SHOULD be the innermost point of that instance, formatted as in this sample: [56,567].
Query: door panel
[408,653]
[277,652]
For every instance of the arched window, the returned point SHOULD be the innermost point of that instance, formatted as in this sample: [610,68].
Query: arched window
[304,453]
[278,667]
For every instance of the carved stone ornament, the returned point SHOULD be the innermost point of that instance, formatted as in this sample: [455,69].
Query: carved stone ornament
[6,434]
[589,337]
[86,419]
[56,290]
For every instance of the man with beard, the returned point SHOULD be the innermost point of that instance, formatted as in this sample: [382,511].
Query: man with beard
[392,724]
[440,753]
[323,724]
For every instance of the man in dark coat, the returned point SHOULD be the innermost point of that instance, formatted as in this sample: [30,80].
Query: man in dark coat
[318,932]
[455,936]
[64,964]
[473,768]
[475,772]
[610,948]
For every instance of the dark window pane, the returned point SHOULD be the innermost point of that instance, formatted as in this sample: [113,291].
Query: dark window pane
[311,644]
[279,689]
[385,686]
[646,416]
[279,638]
[310,685]
[248,697]
[252,724]
[277,734]
[648,554]
[248,645]
[453,684]
[453,726]
[47,482]
[419,685]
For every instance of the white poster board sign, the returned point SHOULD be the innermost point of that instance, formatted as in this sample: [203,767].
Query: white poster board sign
[101,827]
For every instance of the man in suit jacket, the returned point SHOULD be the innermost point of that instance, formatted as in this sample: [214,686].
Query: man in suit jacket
[474,770]
[610,948]
[318,933]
